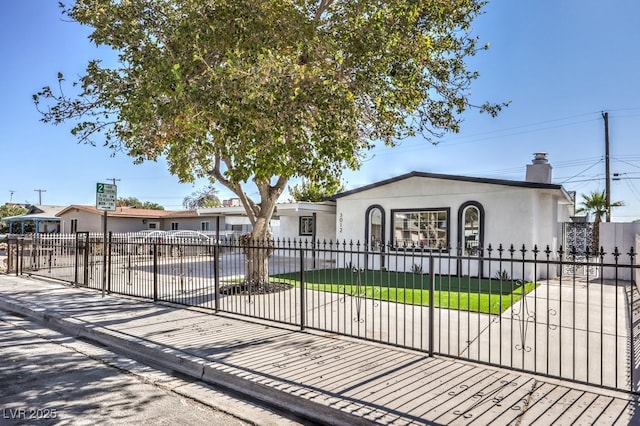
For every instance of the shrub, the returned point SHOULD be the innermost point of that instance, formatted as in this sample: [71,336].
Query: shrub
[502,275]
[416,269]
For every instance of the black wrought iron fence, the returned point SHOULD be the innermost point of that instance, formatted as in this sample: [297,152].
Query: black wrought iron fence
[558,313]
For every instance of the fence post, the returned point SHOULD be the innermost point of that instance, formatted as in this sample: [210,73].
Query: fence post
[109,262]
[155,272]
[632,256]
[18,257]
[432,282]
[216,276]
[302,298]
[75,266]
[86,249]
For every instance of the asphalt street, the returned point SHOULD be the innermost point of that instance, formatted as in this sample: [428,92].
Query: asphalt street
[51,378]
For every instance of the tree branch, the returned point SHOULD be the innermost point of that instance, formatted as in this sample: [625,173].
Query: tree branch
[322,7]
[249,205]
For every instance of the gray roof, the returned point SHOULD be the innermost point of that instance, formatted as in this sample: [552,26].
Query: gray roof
[39,213]
[521,184]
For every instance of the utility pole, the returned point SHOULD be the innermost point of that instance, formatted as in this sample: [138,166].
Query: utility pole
[40,191]
[11,191]
[113,180]
[605,115]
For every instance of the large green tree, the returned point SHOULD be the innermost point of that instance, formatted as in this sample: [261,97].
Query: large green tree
[252,93]
[205,197]
[8,210]
[134,202]
[314,191]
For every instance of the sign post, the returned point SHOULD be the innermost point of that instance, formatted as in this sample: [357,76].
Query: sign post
[106,197]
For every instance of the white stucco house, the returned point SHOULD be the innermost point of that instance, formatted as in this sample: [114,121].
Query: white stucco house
[291,220]
[433,211]
[438,210]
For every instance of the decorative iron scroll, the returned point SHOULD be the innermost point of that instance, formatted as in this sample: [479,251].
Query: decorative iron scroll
[578,235]
[578,240]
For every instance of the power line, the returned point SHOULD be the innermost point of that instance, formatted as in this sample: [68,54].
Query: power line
[585,180]
[496,133]
[626,162]
[633,189]
[578,174]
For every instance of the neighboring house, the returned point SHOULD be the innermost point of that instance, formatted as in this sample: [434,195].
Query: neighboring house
[220,221]
[78,218]
[291,221]
[224,221]
[433,211]
[44,219]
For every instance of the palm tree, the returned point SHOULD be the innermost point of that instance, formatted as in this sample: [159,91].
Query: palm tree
[596,204]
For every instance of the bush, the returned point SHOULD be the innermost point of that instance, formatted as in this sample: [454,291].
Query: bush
[501,275]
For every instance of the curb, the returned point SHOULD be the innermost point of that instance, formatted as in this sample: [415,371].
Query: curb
[188,365]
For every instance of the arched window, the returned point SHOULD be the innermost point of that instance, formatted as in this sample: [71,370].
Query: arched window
[471,227]
[374,227]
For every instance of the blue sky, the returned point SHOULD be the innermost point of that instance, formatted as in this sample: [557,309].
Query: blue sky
[561,63]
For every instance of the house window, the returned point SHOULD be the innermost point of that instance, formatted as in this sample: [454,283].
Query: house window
[427,228]
[153,225]
[204,226]
[470,227]
[306,225]
[374,223]
[74,226]
[236,228]
[174,226]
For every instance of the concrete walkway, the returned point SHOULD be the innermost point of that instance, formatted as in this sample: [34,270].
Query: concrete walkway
[323,378]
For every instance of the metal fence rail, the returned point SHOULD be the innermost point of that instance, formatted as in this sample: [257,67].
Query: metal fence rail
[557,313]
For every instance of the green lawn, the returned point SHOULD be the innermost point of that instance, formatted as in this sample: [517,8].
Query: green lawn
[464,293]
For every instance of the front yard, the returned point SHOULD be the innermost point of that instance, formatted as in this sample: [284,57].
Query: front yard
[484,295]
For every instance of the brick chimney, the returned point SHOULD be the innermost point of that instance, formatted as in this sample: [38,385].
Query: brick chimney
[539,170]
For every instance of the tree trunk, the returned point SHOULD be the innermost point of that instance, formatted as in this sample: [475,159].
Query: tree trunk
[257,254]
[595,238]
[258,246]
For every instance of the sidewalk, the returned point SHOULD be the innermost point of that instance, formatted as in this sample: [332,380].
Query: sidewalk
[323,378]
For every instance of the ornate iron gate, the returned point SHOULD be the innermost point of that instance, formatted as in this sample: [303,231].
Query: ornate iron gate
[579,249]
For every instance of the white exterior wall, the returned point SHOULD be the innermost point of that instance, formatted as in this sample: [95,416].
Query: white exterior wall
[189,223]
[624,236]
[289,228]
[87,222]
[288,235]
[92,222]
[621,235]
[513,215]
